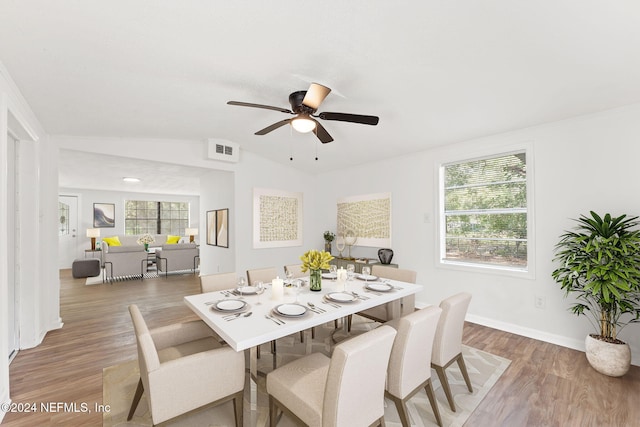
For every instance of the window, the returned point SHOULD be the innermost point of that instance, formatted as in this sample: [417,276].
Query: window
[484,213]
[143,216]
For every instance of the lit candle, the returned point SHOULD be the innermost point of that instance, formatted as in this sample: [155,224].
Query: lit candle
[277,288]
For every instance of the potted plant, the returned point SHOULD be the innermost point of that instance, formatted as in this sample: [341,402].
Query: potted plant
[600,267]
[328,238]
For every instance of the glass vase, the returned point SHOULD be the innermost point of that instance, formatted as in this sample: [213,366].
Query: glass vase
[315,280]
[146,247]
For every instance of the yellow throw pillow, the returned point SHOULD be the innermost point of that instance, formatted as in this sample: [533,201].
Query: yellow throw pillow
[112,241]
[172,240]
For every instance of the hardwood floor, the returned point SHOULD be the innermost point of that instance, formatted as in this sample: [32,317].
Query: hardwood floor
[545,385]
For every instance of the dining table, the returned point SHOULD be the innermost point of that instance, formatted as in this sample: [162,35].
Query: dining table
[245,318]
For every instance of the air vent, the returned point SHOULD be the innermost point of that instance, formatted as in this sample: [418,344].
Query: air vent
[219,149]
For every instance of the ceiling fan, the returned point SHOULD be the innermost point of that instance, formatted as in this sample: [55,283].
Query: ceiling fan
[304,104]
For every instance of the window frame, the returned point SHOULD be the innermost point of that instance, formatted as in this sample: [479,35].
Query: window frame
[159,210]
[440,241]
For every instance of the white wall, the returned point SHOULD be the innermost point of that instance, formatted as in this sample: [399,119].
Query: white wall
[582,164]
[86,199]
[253,172]
[38,290]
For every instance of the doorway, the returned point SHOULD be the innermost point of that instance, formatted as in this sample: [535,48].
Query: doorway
[67,230]
[13,235]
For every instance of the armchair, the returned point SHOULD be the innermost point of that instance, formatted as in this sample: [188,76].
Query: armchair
[180,256]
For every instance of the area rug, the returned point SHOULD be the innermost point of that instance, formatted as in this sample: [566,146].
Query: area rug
[98,280]
[119,383]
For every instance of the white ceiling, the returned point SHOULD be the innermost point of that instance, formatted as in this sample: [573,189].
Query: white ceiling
[435,72]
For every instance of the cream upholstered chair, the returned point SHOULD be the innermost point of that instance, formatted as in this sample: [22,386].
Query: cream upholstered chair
[218,282]
[265,275]
[177,372]
[447,344]
[344,390]
[380,313]
[410,362]
[296,269]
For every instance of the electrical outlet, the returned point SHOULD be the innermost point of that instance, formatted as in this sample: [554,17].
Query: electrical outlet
[541,302]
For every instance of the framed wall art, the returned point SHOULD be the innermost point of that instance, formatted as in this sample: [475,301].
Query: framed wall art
[211,228]
[222,228]
[104,215]
[368,217]
[277,218]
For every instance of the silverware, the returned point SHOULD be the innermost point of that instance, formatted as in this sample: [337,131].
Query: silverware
[237,317]
[362,297]
[276,321]
[210,302]
[372,292]
[331,304]
[313,306]
[231,316]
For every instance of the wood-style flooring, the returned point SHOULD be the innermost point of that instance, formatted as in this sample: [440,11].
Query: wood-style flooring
[545,385]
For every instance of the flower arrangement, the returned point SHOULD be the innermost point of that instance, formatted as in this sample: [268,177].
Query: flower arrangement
[329,236]
[145,239]
[315,260]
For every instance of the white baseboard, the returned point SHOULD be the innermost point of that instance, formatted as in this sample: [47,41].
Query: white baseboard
[537,335]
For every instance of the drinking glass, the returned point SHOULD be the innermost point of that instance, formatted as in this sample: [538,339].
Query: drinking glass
[366,271]
[241,284]
[259,290]
[351,272]
[333,269]
[297,284]
[289,275]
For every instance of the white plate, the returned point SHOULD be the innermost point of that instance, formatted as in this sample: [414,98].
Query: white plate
[329,275]
[366,277]
[341,297]
[229,305]
[290,310]
[380,287]
[246,290]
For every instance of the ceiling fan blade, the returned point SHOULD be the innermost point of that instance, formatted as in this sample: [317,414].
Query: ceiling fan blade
[315,95]
[273,127]
[353,118]
[322,133]
[267,107]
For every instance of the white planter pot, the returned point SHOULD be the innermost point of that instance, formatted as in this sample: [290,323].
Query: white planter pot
[607,358]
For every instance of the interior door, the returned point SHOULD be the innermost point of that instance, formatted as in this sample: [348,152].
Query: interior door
[12,244]
[67,230]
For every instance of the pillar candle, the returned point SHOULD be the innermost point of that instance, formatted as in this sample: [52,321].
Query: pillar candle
[277,288]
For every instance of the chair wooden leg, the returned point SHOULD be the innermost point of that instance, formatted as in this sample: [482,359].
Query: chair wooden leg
[238,405]
[313,333]
[136,399]
[335,323]
[349,321]
[434,403]
[273,415]
[465,374]
[445,386]
[258,352]
[301,336]
[402,410]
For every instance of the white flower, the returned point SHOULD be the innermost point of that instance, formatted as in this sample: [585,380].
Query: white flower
[145,239]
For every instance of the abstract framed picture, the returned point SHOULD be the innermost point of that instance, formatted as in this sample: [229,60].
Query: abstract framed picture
[211,228]
[104,215]
[222,228]
[277,218]
[368,217]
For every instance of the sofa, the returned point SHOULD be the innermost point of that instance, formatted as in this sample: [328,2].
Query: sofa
[180,257]
[129,258]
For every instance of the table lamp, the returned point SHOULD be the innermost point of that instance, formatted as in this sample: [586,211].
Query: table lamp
[93,233]
[191,232]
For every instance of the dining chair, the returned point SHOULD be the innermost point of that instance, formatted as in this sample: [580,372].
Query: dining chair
[218,282]
[447,344]
[296,270]
[381,313]
[176,373]
[410,361]
[265,275]
[344,390]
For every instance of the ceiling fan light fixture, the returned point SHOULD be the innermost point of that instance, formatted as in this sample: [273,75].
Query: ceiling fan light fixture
[303,124]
